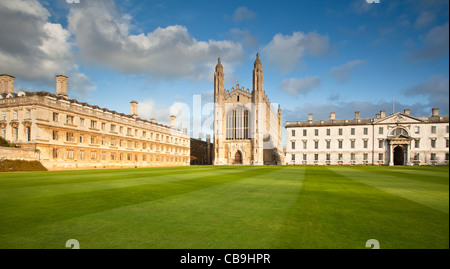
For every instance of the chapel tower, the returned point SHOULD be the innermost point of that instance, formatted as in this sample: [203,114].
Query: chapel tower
[247,129]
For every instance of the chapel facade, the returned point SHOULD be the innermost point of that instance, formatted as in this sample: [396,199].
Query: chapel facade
[247,128]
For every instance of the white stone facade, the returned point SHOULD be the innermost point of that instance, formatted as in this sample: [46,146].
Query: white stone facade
[397,139]
[70,134]
[247,129]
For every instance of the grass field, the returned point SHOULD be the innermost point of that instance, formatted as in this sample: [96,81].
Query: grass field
[270,207]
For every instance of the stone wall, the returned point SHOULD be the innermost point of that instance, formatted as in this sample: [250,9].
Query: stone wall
[201,152]
[19,154]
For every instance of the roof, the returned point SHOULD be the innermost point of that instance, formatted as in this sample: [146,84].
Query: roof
[347,122]
[319,123]
[74,101]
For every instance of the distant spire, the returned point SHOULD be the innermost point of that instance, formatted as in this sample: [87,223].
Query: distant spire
[219,66]
[257,61]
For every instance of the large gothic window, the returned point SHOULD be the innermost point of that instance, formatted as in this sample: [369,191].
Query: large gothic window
[237,124]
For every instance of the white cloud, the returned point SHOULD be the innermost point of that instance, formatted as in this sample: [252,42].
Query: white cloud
[79,85]
[343,73]
[34,49]
[170,52]
[30,46]
[346,110]
[436,84]
[28,7]
[302,86]
[148,110]
[228,70]
[285,51]
[425,19]
[243,13]
[435,88]
[436,43]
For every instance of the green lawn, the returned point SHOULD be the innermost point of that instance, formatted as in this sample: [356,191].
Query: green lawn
[269,207]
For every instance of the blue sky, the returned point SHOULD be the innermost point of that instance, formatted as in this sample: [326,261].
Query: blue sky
[318,56]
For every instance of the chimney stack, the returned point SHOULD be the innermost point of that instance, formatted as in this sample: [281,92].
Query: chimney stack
[172,121]
[6,83]
[152,120]
[383,113]
[377,115]
[407,111]
[134,109]
[310,116]
[357,115]
[61,85]
[333,116]
[435,112]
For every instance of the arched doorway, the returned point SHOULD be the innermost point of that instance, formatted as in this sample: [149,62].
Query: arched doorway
[238,157]
[399,155]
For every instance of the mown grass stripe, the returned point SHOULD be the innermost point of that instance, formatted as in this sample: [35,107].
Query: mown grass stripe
[429,193]
[410,173]
[416,170]
[20,180]
[224,207]
[334,211]
[240,214]
[18,215]
[117,180]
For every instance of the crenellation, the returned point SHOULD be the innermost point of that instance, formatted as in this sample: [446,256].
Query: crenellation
[246,126]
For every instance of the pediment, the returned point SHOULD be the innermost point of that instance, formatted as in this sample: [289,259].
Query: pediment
[398,118]
[11,95]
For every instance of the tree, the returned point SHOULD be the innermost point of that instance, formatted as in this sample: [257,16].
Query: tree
[4,143]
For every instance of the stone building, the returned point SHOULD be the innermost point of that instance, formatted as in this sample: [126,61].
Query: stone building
[397,139]
[247,129]
[201,151]
[72,134]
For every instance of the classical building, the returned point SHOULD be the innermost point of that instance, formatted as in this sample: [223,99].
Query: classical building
[71,134]
[247,129]
[397,139]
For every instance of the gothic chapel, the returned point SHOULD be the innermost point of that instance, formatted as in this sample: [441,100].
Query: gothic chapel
[247,129]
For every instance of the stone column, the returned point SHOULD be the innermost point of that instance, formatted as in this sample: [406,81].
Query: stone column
[408,149]
[391,159]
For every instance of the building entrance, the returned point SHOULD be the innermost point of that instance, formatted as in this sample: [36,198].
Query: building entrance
[399,156]
[238,157]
